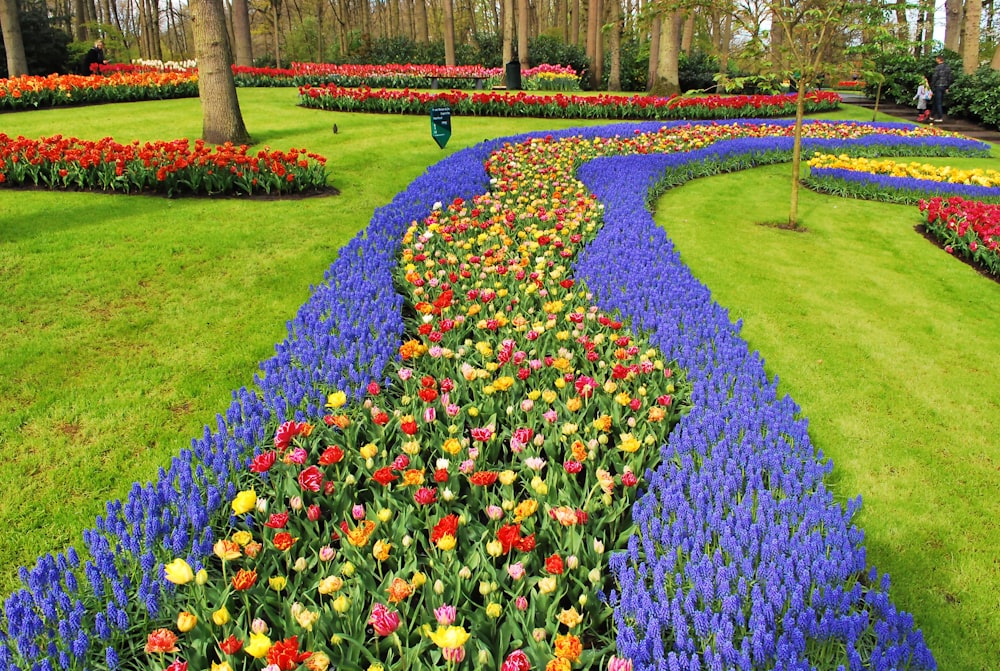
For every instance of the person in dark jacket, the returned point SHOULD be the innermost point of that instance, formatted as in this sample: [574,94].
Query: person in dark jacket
[94,57]
[940,81]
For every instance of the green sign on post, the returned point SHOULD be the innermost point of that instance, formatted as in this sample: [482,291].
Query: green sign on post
[441,125]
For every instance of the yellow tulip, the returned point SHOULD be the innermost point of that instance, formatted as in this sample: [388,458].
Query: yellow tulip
[178,572]
[244,502]
[258,646]
[186,621]
[221,616]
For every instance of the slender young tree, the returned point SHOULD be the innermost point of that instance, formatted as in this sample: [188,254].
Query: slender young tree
[449,32]
[808,27]
[222,120]
[953,10]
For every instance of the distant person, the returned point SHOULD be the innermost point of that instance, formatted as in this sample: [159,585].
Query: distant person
[94,57]
[940,81]
[924,95]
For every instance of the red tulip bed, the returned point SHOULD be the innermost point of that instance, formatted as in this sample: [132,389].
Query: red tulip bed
[170,168]
[509,431]
[967,228]
[607,106]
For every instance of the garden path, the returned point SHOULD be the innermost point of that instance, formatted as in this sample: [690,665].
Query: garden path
[955,125]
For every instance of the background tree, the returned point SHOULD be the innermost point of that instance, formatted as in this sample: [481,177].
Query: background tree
[10,24]
[222,120]
[970,36]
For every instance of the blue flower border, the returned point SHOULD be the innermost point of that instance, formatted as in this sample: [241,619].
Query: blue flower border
[793,546]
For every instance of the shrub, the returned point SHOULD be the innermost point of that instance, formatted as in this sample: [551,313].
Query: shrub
[977,96]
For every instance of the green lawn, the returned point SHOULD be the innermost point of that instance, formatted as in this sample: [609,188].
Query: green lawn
[888,345]
[128,321]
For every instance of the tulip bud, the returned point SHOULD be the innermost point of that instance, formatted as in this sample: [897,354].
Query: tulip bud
[598,546]
[341,604]
[484,588]
[221,616]
[201,577]
[465,573]
[300,565]
[484,658]
[521,603]
[258,626]
[347,569]
[384,515]
[494,610]
[594,576]
[438,587]
[447,494]
[407,540]
[539,635]
[295,503]
[582,600]
[336,640]
[494,548]
[186,621]
[572,562]
[350,480]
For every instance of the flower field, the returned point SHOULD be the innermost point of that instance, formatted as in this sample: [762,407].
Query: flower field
[31,92]
[897,182]
[607,106]
[510,429]
[171,168]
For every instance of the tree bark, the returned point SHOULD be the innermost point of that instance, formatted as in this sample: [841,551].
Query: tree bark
[667,76]
[449,32]
[420,9]
[593,28]
[241,33]
[654,49]
[80,31]
[970,36]
[222,120]
[13,41]
[523,23]
[687,37]
[508,31]
[615,46]
[953,25]
[574,22]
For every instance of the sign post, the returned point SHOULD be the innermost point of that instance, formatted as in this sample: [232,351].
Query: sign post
[441,125]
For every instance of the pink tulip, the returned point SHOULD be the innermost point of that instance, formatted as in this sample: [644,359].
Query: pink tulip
[383,620]
[445,615]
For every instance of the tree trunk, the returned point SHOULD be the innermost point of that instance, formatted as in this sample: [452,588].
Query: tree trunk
[276,30]
[615,46]
[654,49]
[725,42]
[449,33]
[243,43]
[13,42]
[523,23]
[508,31]
[222,120]
[953,25]
[420,9]
[970,38]
[597,71]
[562,7]
[79,21]
[800,110]
[593,30]
[687,38]
[667,76]
[574,22]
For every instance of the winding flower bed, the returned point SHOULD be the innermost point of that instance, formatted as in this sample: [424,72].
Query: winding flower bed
[896,182]
[737,557]
[967,228]
[171,168]
[365,99]
[30,92]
